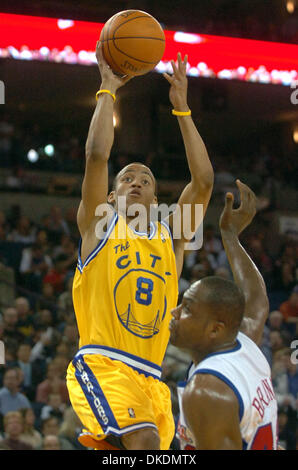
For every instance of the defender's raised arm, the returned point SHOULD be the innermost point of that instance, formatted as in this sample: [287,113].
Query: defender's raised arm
[246,274]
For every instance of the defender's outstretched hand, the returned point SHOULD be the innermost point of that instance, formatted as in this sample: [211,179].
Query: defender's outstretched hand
[236,220]
[109,78]
[178,82]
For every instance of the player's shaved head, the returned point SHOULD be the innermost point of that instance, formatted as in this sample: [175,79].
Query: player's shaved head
[224,299]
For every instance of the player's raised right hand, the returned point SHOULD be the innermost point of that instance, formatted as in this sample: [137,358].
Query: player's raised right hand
[110,80]
[236,220]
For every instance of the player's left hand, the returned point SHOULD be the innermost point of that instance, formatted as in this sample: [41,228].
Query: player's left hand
[178,82]
[236,220]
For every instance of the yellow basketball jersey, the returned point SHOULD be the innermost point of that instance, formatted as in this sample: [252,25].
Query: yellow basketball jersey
[123,294]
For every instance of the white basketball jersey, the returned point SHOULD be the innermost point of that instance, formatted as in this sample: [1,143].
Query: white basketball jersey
[246,370]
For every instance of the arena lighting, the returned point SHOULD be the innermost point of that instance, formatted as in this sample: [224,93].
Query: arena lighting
[49,150]
[290,5]
[295,135]
[187,38]
[115,120]
[73,42]
[32,156]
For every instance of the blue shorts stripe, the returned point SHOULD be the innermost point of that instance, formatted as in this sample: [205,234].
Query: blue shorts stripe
[94,395]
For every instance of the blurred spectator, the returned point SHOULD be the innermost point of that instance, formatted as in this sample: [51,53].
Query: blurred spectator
[286,266]
[54,383]
[63,350]
[65,304]
[260,257]
[286,433]
[212,244]
[30,435]
[289,308]
[265,345]
[6,137]
[33,370]
[50,427]
[7,285]
[71,220]
[47,300]
[45,342]
[57,224]
[292,375]
[275,320]
[71,337]
[284,377]
[25,324]
[221,271]
[4,226]
[23,233]
[42,241]
[13,428]
[198,271]
[276,340]
[33,267]
[71,428]
[10,333]
[51,442]
[201,257]
[54,407]
[56,275]
[276,323]
[11,399]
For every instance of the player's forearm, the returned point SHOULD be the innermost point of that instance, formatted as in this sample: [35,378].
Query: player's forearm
[247,277]
[101,131]
[197,156]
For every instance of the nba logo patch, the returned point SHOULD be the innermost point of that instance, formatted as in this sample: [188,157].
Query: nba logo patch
[131,412]
[162,237]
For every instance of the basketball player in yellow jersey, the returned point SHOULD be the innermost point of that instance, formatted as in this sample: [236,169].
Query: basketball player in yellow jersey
[126,283]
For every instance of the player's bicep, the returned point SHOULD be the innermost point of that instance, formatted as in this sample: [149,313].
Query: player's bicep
[94,191]
[212,414]
[190,211]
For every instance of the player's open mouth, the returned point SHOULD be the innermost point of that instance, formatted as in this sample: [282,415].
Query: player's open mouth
[135,193]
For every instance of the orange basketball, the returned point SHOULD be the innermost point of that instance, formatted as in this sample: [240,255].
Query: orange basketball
[133,42]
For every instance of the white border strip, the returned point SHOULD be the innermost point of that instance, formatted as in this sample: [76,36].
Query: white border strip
[120,357]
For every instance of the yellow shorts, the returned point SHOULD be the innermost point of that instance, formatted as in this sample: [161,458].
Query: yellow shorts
[115,397]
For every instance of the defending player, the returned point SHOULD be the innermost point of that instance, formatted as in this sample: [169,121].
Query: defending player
[228,401]
[126,283]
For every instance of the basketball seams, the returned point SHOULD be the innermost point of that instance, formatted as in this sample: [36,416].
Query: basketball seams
[112,44]
[135,18]
[133,37]
[108,46]
[131,57]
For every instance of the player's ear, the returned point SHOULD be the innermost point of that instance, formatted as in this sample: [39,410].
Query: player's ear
[155,201]
[217,329]
[111,197]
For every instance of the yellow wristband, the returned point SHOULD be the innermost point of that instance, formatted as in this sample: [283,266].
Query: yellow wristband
[105,91]
[181,113]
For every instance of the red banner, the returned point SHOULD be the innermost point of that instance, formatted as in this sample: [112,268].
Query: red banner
[71,41]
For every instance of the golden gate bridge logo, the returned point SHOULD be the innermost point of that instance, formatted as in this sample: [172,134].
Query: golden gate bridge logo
[130,322]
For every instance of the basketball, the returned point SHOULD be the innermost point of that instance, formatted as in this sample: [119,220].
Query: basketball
[133,42]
